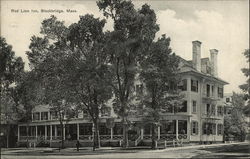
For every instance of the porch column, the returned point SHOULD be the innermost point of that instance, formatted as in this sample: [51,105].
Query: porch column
[176,130]
[18,133]
[142,133]
[93,129]
[189,128]
[48,115]
[36,132]
[159,132]
[50,132]
[64,131]
[45,134]
[77,127]
[40,116]
[55,131]
[111,133]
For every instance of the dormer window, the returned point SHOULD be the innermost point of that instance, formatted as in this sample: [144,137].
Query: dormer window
[36,116]
[44,115]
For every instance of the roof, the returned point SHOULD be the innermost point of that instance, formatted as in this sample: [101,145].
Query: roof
[193,70]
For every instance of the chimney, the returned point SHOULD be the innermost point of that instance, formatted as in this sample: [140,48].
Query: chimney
[197,55]
[213,56]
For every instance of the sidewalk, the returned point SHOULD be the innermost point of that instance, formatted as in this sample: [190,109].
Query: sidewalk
[102,150]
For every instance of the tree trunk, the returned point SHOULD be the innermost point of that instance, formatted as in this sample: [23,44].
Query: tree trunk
[96,139]
[7,136]
[62,137]
[153,146]
[125,134]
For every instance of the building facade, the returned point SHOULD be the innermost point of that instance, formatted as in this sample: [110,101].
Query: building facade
[200,119]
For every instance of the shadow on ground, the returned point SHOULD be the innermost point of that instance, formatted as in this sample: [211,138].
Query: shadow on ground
[228,151]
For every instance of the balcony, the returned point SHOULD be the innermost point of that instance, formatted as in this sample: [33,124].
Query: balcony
[208,97]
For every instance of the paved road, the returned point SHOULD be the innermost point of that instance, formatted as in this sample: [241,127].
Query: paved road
[241,150]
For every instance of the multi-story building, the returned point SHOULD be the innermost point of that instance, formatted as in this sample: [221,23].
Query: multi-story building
[200,119]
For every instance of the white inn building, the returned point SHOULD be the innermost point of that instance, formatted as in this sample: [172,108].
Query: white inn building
[200,119]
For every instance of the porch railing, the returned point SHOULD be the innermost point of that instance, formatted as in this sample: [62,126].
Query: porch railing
[85,137]
[56,137]
[117,137]
[27,137]
[167,137]
[105,137]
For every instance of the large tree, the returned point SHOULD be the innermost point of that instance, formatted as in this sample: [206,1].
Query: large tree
[159,74]
[133,31]
[11,69]
[234,123]
[88,69]
[246,86]
[47,58]
[73,67]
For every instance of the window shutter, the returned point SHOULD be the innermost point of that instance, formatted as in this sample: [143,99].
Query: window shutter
[196,129]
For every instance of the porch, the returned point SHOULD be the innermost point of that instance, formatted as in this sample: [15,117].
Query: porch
[167,131]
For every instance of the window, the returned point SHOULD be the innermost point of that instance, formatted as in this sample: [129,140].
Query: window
[118,129]
[205,128]
[219,129]
[213,128]
[208,109]
[209,128]
[183,85]
[212,91]
[182,126]
[44,115]
[213,110]
[85,129]
[106,111]
[103,130]
[194,106]
[208,90]
[53,115]
[227,100]
[167,127]
[195,128]
[183,107]
[85,113]
[220,92]
[220,111]
[194,85]
[139,89]
[36,116]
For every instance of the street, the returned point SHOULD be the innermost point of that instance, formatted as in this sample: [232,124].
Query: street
[239,150]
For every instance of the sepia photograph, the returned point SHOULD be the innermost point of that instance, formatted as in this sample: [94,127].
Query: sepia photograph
[124,79]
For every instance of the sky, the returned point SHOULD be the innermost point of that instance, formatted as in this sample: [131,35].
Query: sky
[218,24]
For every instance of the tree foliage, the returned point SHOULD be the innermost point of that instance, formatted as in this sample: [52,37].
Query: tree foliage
[235,124]
[11,70]
[89,69]
[133,31]
[245,87]
[159,73]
